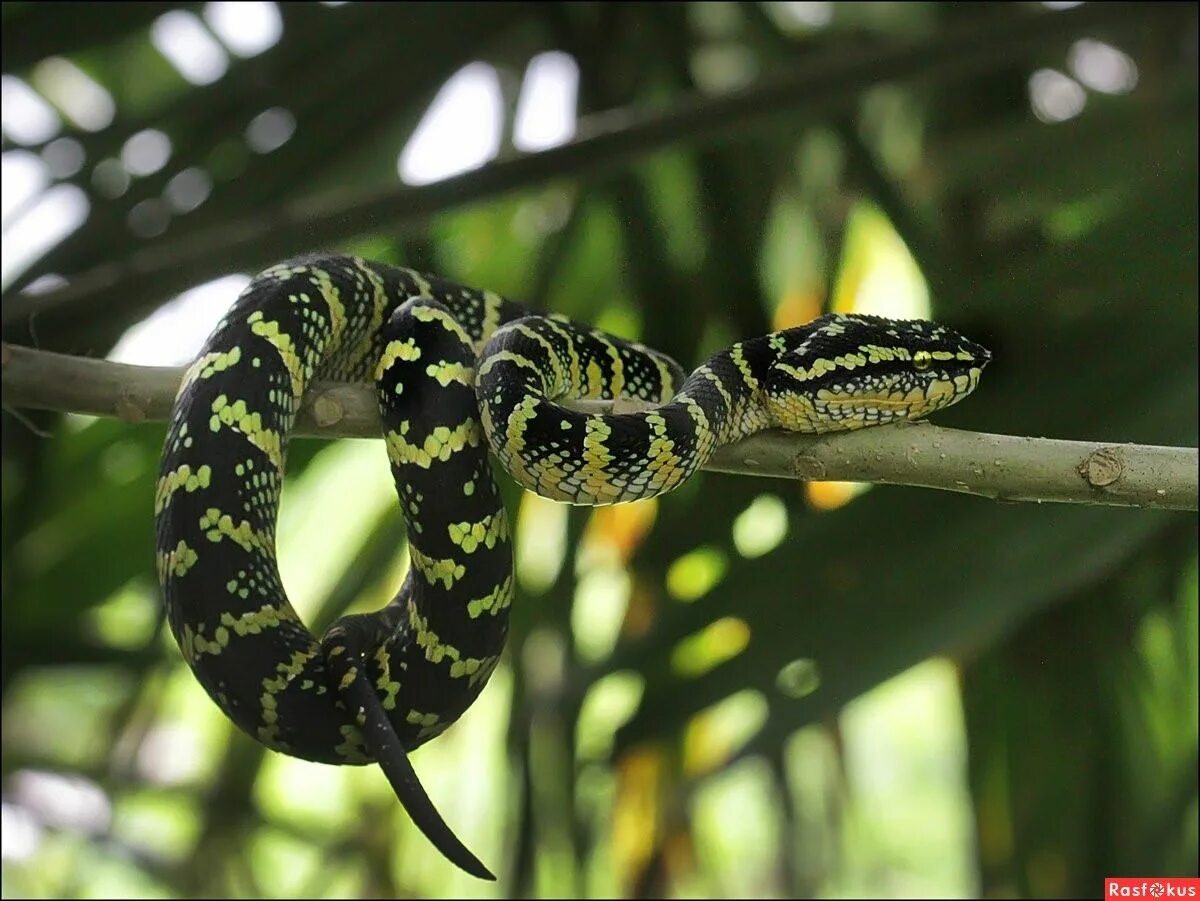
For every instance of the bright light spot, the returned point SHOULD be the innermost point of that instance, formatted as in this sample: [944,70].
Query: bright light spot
[695,573]
[20,834]
[1055,97]
[246,28]
[173,334]
[169,755]
[24,115]
[736,815]
[608,705]
[717,68]
[799,678]
[717,732]
[64,157]
[1102,67]
[904,761]
[146,152]
[546,108]
[879,275]
[761,526]
[601,597]
[22,176]
[717,642]
[187,190]
[270,130]
[460,130]
[44,284]
[1061,4]
[83,100]
[813,15]
[149,218]
[541,541]
[53,216]
[66,802]
[185,42]
[542,659]
[110,178]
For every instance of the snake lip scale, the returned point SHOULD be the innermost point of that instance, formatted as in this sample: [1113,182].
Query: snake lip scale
[460,373]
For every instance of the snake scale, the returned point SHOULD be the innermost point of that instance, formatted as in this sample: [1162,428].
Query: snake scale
[458,372]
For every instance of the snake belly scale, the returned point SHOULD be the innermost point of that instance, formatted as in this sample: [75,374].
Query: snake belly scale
[459,372]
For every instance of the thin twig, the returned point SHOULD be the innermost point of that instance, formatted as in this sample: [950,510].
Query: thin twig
[1002,467]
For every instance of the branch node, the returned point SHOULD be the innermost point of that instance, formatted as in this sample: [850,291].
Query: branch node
[808,468]
[129,411]
[327,411]
[1101,467]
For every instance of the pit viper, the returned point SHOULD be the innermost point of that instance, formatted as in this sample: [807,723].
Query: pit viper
[458,372]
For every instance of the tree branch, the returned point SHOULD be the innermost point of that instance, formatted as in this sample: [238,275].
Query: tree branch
[1002,467]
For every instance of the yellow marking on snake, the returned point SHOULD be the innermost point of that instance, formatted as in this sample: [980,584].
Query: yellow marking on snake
[492,305]
[506,356]
[181,477]
[237,417]
[333,301]
[206,365]
[445,373]
[738,355]
[269,732]
[380,304]
[424,289]
[194,645]
[664,371]
[493,602]
[596,457]
[217,525]
[297,368]
[433,314]
[405,350]
[720,386]
[515,431]
[438,651]
[384,682]
[177,561]
[555,361]
[471,535]
[617,372]
[352,748]
[576,365]
[595,381]
[439,444]
[255,621]
[436,570]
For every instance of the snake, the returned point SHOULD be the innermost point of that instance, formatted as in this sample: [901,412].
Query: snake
[461,375]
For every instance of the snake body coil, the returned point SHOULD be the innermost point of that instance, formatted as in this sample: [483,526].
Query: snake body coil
[458,372]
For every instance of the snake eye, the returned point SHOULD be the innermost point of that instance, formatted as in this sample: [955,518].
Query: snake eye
[922,360]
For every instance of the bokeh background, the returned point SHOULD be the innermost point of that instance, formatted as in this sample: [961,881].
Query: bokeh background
[749,687]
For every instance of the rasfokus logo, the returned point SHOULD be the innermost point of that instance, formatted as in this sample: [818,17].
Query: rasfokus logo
[1151,887]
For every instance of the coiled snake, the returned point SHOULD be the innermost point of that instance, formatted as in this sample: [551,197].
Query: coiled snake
[458,372]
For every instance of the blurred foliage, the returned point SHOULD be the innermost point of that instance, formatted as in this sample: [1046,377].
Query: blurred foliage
[698,696]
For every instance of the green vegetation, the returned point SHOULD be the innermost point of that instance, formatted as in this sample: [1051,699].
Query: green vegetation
[747,687]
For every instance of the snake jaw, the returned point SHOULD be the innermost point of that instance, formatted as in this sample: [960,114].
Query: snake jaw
[845,372]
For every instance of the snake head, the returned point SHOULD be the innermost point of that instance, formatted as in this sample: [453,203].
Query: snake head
[848,371]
